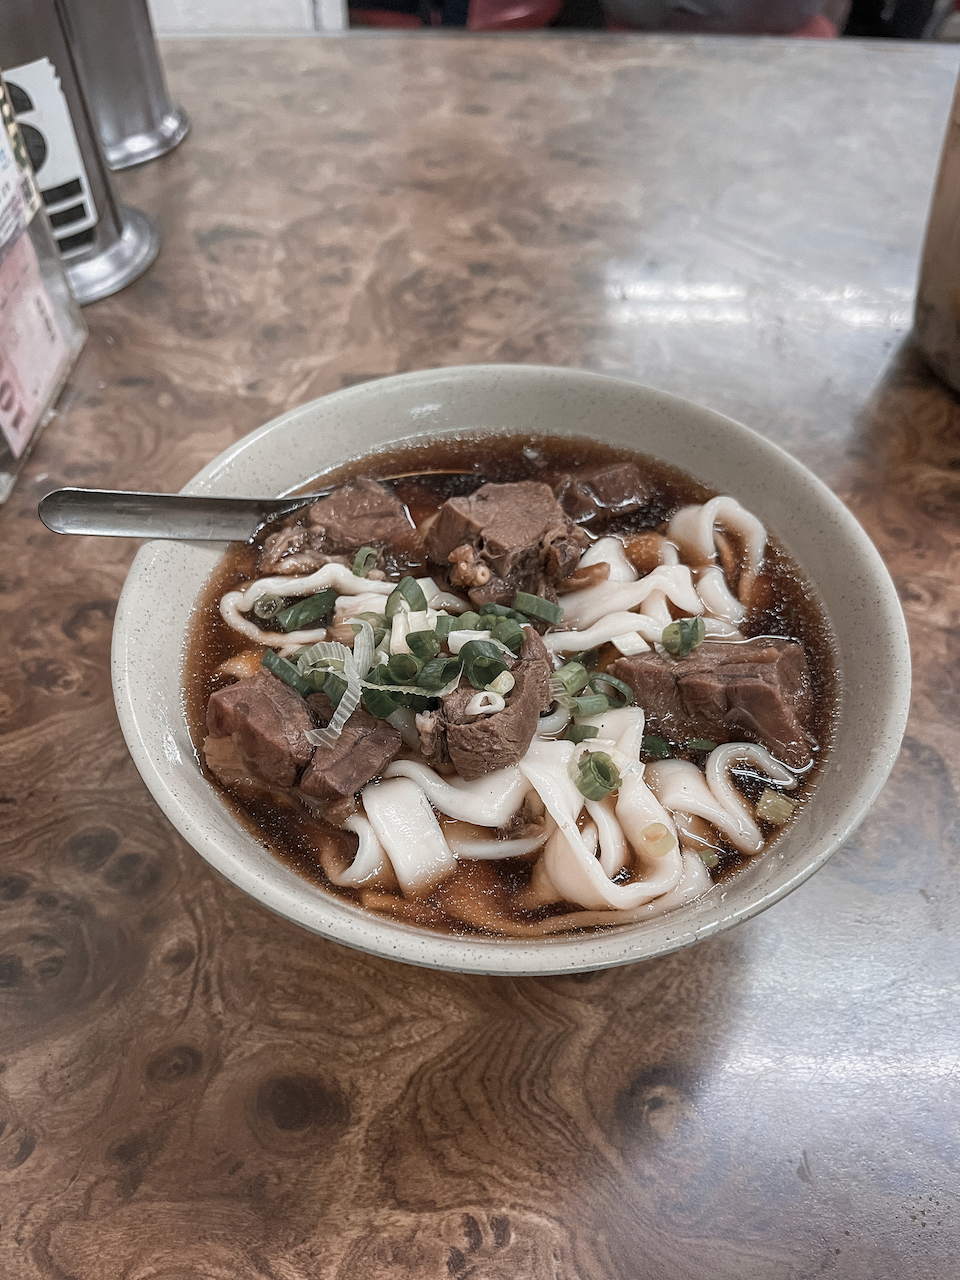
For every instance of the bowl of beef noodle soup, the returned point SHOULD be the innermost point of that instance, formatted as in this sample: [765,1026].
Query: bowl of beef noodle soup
[557,672]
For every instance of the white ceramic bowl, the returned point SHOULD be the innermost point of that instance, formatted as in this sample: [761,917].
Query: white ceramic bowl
[817,530]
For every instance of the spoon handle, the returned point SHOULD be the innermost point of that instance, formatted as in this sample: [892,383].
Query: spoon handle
[118,514]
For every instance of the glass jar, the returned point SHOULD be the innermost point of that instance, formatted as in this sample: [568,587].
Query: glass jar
[41,330]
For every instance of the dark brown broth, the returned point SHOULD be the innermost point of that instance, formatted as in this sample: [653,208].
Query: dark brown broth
[432,471]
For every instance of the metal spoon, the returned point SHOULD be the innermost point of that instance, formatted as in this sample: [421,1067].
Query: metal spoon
[117,514]
[114,513]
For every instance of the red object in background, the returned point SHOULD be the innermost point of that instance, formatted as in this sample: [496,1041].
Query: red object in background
[511,15]
[382,18]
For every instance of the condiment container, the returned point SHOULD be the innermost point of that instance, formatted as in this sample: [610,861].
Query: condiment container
[104,244]
[937,315]
[41,330]
[126,90]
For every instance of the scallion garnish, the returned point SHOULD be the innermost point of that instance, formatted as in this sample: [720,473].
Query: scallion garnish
[381,702]
[571,678]
[683,636]
[591,704]
[509,632]
[597,776]
[656,748]
[267,607]
[602,678]
[701,744]
[469,621]
[366,559]
[438,672]
[445,624]
[482,662]
[409,593]
[423,643]
[287,672]
[775,808]
[306,611]
[537,607]
[403,668]
[500,611]
[334,686]
[581,732]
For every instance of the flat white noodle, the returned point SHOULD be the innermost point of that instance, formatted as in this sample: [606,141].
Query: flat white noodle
[410,834]
[614,624]
[695,526]
[370,863]
[236,603]
[694,882]
[656,608]
[493,850]
[581,609]
[568,858]
[613,843]
[490,801]
[680,785]
[610,551]
[717,598]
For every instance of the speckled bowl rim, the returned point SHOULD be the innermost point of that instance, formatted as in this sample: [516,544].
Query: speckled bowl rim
[830,546]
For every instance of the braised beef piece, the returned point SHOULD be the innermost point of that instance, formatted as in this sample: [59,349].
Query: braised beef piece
[616,489]
[361,752]
[359,514]
[503,538]
[753,691]
[478,745]
[269,721]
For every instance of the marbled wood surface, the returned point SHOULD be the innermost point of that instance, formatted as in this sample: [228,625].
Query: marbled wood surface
[192,1088]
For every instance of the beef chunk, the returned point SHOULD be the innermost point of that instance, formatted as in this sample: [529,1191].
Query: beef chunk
[359,514]
[754,691]
[362,751]
[613,490]
[269,722]
[477,745]
[504,538]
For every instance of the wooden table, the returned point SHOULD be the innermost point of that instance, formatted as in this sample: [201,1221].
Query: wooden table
[192,1088]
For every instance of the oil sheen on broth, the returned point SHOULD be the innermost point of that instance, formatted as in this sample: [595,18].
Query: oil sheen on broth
[515,896]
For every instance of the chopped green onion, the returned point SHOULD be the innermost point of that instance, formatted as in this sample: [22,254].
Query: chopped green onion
[377,620]
[482,662]
[571,678]
[657,839]
[403,668]
[381,702]
[775,808]
[266,607]
[537,607]
[334,686]
[602,678]
[503,683]
[709,858]
[656,748]
[501,611]
[469,621]
[509,632]
[366,559]
[407,592]
[438,672]
[306,611]
[287,672]
[423,643]
[701,744]
[597,776]
[581,732]
[445,624]
[683,636]
[589,659]
[593,704]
